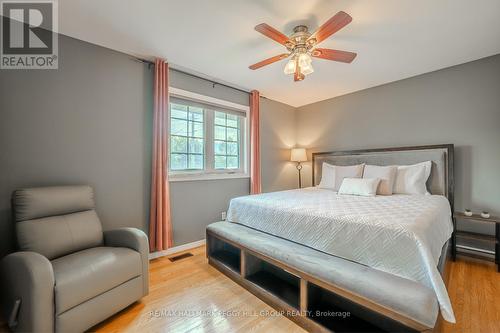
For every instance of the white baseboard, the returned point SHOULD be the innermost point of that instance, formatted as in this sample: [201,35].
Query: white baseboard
[176,249]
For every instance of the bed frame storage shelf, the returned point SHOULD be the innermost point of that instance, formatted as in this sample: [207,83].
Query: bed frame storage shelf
[339,314]
[298,295]
[275,280]
[225,253]
[298,280]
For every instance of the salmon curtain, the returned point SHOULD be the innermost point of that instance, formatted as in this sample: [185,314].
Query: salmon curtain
[160,224]
[255,181]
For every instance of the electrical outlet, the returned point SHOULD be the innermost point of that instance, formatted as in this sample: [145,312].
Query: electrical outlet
[223,215]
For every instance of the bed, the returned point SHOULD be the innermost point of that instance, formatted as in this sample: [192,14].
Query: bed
[401,239]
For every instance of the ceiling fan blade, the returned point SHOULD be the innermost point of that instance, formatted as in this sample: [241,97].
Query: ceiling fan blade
[334,24]
[272,33]
[269,61]
[335,55]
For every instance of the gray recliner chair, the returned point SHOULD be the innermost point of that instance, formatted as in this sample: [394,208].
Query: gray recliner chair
[69,275]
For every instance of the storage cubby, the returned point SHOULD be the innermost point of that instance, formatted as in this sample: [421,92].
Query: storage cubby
[330,310]
[225,253]
[275,280]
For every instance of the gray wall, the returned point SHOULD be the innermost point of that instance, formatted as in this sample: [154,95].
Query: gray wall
[195,204]
[459,105]
[277,136]
[90,122]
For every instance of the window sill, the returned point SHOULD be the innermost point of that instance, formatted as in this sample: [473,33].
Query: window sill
[210,176]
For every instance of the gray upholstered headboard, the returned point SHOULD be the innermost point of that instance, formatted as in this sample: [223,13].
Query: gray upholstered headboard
[440,180]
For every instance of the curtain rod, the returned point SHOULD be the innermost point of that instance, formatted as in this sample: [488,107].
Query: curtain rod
[150,63]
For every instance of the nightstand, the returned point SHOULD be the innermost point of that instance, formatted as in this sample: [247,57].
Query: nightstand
[476,236]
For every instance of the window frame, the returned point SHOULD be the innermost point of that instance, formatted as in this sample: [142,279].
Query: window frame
[188,137]
[209,171]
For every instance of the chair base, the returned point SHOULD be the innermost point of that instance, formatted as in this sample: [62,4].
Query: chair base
[99,308]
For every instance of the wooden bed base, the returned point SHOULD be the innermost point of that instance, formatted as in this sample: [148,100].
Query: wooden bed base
[242,267]
[291,292]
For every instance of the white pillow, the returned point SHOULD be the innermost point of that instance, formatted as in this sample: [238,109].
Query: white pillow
[386,174]
[412,179]
[359,186]
[327,177]
[333,175]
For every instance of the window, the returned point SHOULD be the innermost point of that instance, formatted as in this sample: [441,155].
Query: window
[226,141]
[206,140]
[187,141]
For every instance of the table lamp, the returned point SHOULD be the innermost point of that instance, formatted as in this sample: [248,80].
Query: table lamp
[298,155]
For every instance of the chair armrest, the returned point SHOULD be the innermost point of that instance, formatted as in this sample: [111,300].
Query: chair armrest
[28,277]
[134,239]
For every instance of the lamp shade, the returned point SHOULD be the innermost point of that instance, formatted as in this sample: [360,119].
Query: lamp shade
[298,155]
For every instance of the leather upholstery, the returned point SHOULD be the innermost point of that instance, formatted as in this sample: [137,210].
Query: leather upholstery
[28,276]
[69,281]
[55,221]
[85,315]
[86,274]
[34,203]
[60,235]
[134,239]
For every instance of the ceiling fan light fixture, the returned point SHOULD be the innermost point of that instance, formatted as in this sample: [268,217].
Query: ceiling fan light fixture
[304,60]
[301,45]
[290,67]
[307,69]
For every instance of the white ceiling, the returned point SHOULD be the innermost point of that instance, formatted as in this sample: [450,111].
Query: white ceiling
[394,39]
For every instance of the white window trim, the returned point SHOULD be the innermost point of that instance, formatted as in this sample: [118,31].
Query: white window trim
[210,174]
[188,177]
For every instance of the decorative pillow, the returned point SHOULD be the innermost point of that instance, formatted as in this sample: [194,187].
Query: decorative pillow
[360,186]
[386,174]
[327,177]
[333,175]
[412,179]
[351,171]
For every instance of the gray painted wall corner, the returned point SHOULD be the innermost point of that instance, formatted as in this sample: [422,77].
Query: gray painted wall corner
[90,122]
[459,105]
[278,135]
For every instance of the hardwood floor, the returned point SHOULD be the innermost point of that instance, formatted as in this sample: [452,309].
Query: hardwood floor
[201,294]
[192,286]
[474,289]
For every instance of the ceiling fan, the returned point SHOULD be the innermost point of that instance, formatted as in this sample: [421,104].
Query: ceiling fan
[301,46]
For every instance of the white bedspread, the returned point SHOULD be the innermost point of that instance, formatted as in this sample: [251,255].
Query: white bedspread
[398,234]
